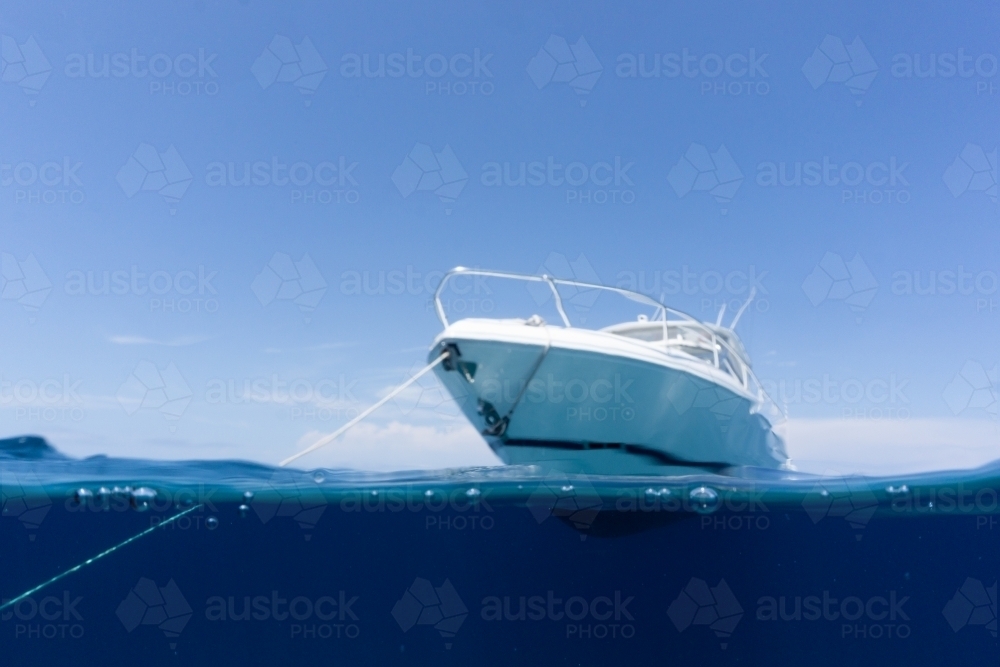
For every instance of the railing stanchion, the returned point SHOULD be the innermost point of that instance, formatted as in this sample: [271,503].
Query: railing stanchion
[559,303]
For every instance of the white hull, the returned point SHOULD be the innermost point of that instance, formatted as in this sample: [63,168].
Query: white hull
[593,401]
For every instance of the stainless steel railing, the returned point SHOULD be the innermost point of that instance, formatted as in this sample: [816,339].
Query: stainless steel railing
[742,372]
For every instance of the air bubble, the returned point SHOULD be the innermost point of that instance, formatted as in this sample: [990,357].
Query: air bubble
[318,477]
[900,490]
[473,493]
[374,494]
[244,510]
[567,488]
[704,499]
[80,496]
[247,496]
[428,493]
[142,498]
[211,523]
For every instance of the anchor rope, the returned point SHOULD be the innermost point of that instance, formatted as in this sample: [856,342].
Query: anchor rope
[75,568]
[325,440]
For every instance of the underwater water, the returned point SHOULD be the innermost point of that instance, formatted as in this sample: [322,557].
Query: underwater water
[235,563]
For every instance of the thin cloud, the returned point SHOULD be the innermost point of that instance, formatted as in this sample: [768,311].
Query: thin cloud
[182,341]
[329,346]
[311,348]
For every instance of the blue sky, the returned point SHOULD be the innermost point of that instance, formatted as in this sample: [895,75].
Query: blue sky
[230,84]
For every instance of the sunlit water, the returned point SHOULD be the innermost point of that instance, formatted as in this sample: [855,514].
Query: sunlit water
[255,565]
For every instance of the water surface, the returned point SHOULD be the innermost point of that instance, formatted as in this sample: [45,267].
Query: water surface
[490,565]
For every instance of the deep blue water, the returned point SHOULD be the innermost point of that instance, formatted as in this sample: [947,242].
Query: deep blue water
[490,566]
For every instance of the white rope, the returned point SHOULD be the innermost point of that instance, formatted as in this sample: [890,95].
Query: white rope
[77,568]
[343,429]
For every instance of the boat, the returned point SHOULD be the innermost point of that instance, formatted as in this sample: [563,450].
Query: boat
[665,393]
